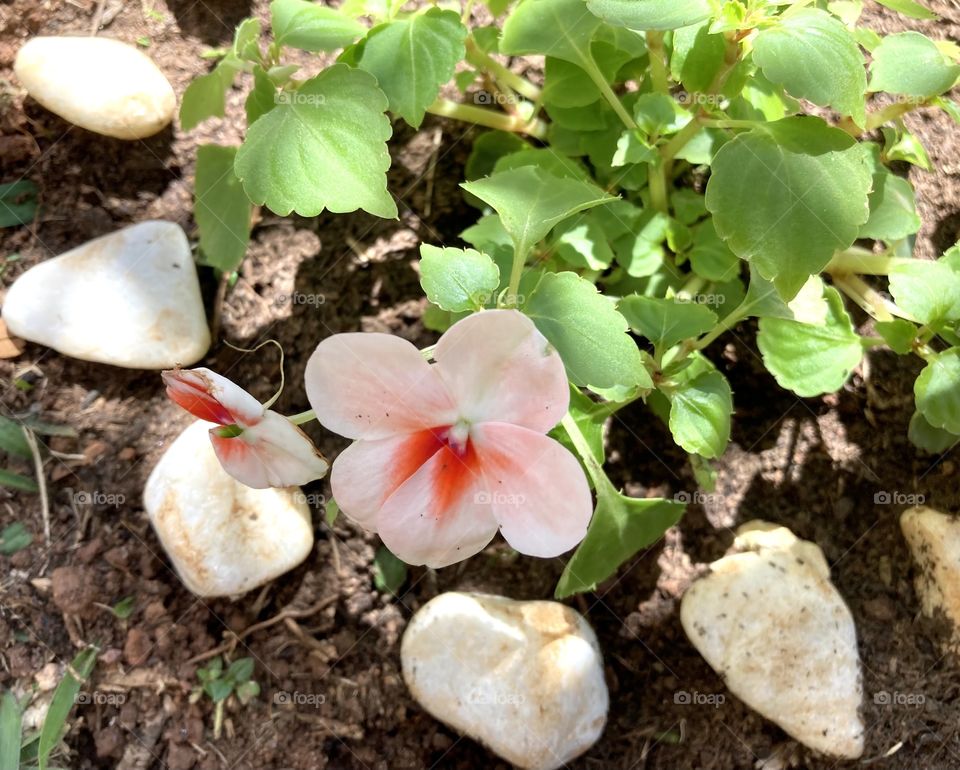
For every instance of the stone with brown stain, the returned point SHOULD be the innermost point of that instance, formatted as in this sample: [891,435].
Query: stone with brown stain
[769,621]
[130,298]
[223,537]
[934,540]
[523,678]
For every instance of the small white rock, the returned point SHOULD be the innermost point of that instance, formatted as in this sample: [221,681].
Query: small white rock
[523,678]
[223,537]
[770,622]
[934,540]
[130,299]
[97,83]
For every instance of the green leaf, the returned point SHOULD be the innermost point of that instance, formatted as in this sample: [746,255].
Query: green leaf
[814,56]
[811,359]
[457,279]
[909,8]
[218,689]
[710,257]
[18,203]
[14,537]
[581,242]
[546,159]
[55,723]
[325,148]
[412,57]
[787,195]
[893,208]
[590,417]
[587,331]
[899,334]
[10,722]
[567,85]
[124,608]
[221,208]
[531,201]
[12,439]
[928,438]
[247,691]
[937,390]
[665,322]
[700,414]
[928,291]
[697,56]
[311,26]
[331,511]
[650,14]
[16,481]
[240,670]
[389,572]
[488,149]
[262,97]
[206,96]
[910,64]
[557,28]
[900,144]
[620,527]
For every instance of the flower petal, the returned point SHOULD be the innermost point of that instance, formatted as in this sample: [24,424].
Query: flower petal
[437,517]
[211,397]
[371,386]
[498,367]
[366,473]
[536,488]
[274,453]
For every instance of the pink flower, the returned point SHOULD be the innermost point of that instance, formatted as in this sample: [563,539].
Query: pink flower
[257,446]
[446,454]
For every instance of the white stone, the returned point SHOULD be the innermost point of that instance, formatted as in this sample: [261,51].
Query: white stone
[223,537]
[523,678]
[769,621]
[934,540]
[130,298]
[97,83]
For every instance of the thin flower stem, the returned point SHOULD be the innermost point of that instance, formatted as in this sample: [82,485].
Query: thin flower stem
[300,419]
[482,117]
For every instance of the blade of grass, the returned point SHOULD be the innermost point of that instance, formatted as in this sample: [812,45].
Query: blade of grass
[10,720]
[64,697]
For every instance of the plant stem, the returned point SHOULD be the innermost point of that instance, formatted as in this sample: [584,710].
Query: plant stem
[594,468]
[888,113]
[516,273]
[658,67]
[863,262]
[591,68]
[659,198]
[482,117]
[484,61]
[300,419]
[725,123]
[734,317]
[669,151]
[869,300]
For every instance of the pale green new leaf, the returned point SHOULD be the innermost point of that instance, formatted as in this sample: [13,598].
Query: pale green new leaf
[893,208]
[325,147]
[221,208]
[700,411]
[312,26]
[457,279]
[811,359]
[650,14]
[814,56]
[587,331]
[928,291]
[206,95]
[937,391]
[789,194]
[412,57]
[910,64]
[899,334]
[928,438]
[531,201]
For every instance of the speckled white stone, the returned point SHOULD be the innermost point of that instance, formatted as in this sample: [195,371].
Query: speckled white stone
[523,678]
[770,622]
[223,537]
[130,299]
[97,83]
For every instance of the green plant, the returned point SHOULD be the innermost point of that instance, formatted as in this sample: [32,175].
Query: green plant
[663,185]
[218,684]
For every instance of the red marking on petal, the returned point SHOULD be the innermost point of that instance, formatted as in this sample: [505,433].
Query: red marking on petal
[455,469]
[230,449]
[189,394]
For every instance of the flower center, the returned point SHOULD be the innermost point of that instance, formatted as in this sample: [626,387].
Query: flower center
[458,436]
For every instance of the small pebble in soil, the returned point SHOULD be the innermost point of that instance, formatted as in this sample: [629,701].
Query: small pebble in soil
[934,540]
[523,678]
[103,85]
[768,619]
[130,299]
[223,537]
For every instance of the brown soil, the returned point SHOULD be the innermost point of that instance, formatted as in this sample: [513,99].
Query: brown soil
[814,465]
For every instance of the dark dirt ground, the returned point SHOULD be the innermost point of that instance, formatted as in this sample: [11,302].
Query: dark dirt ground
[814,465]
